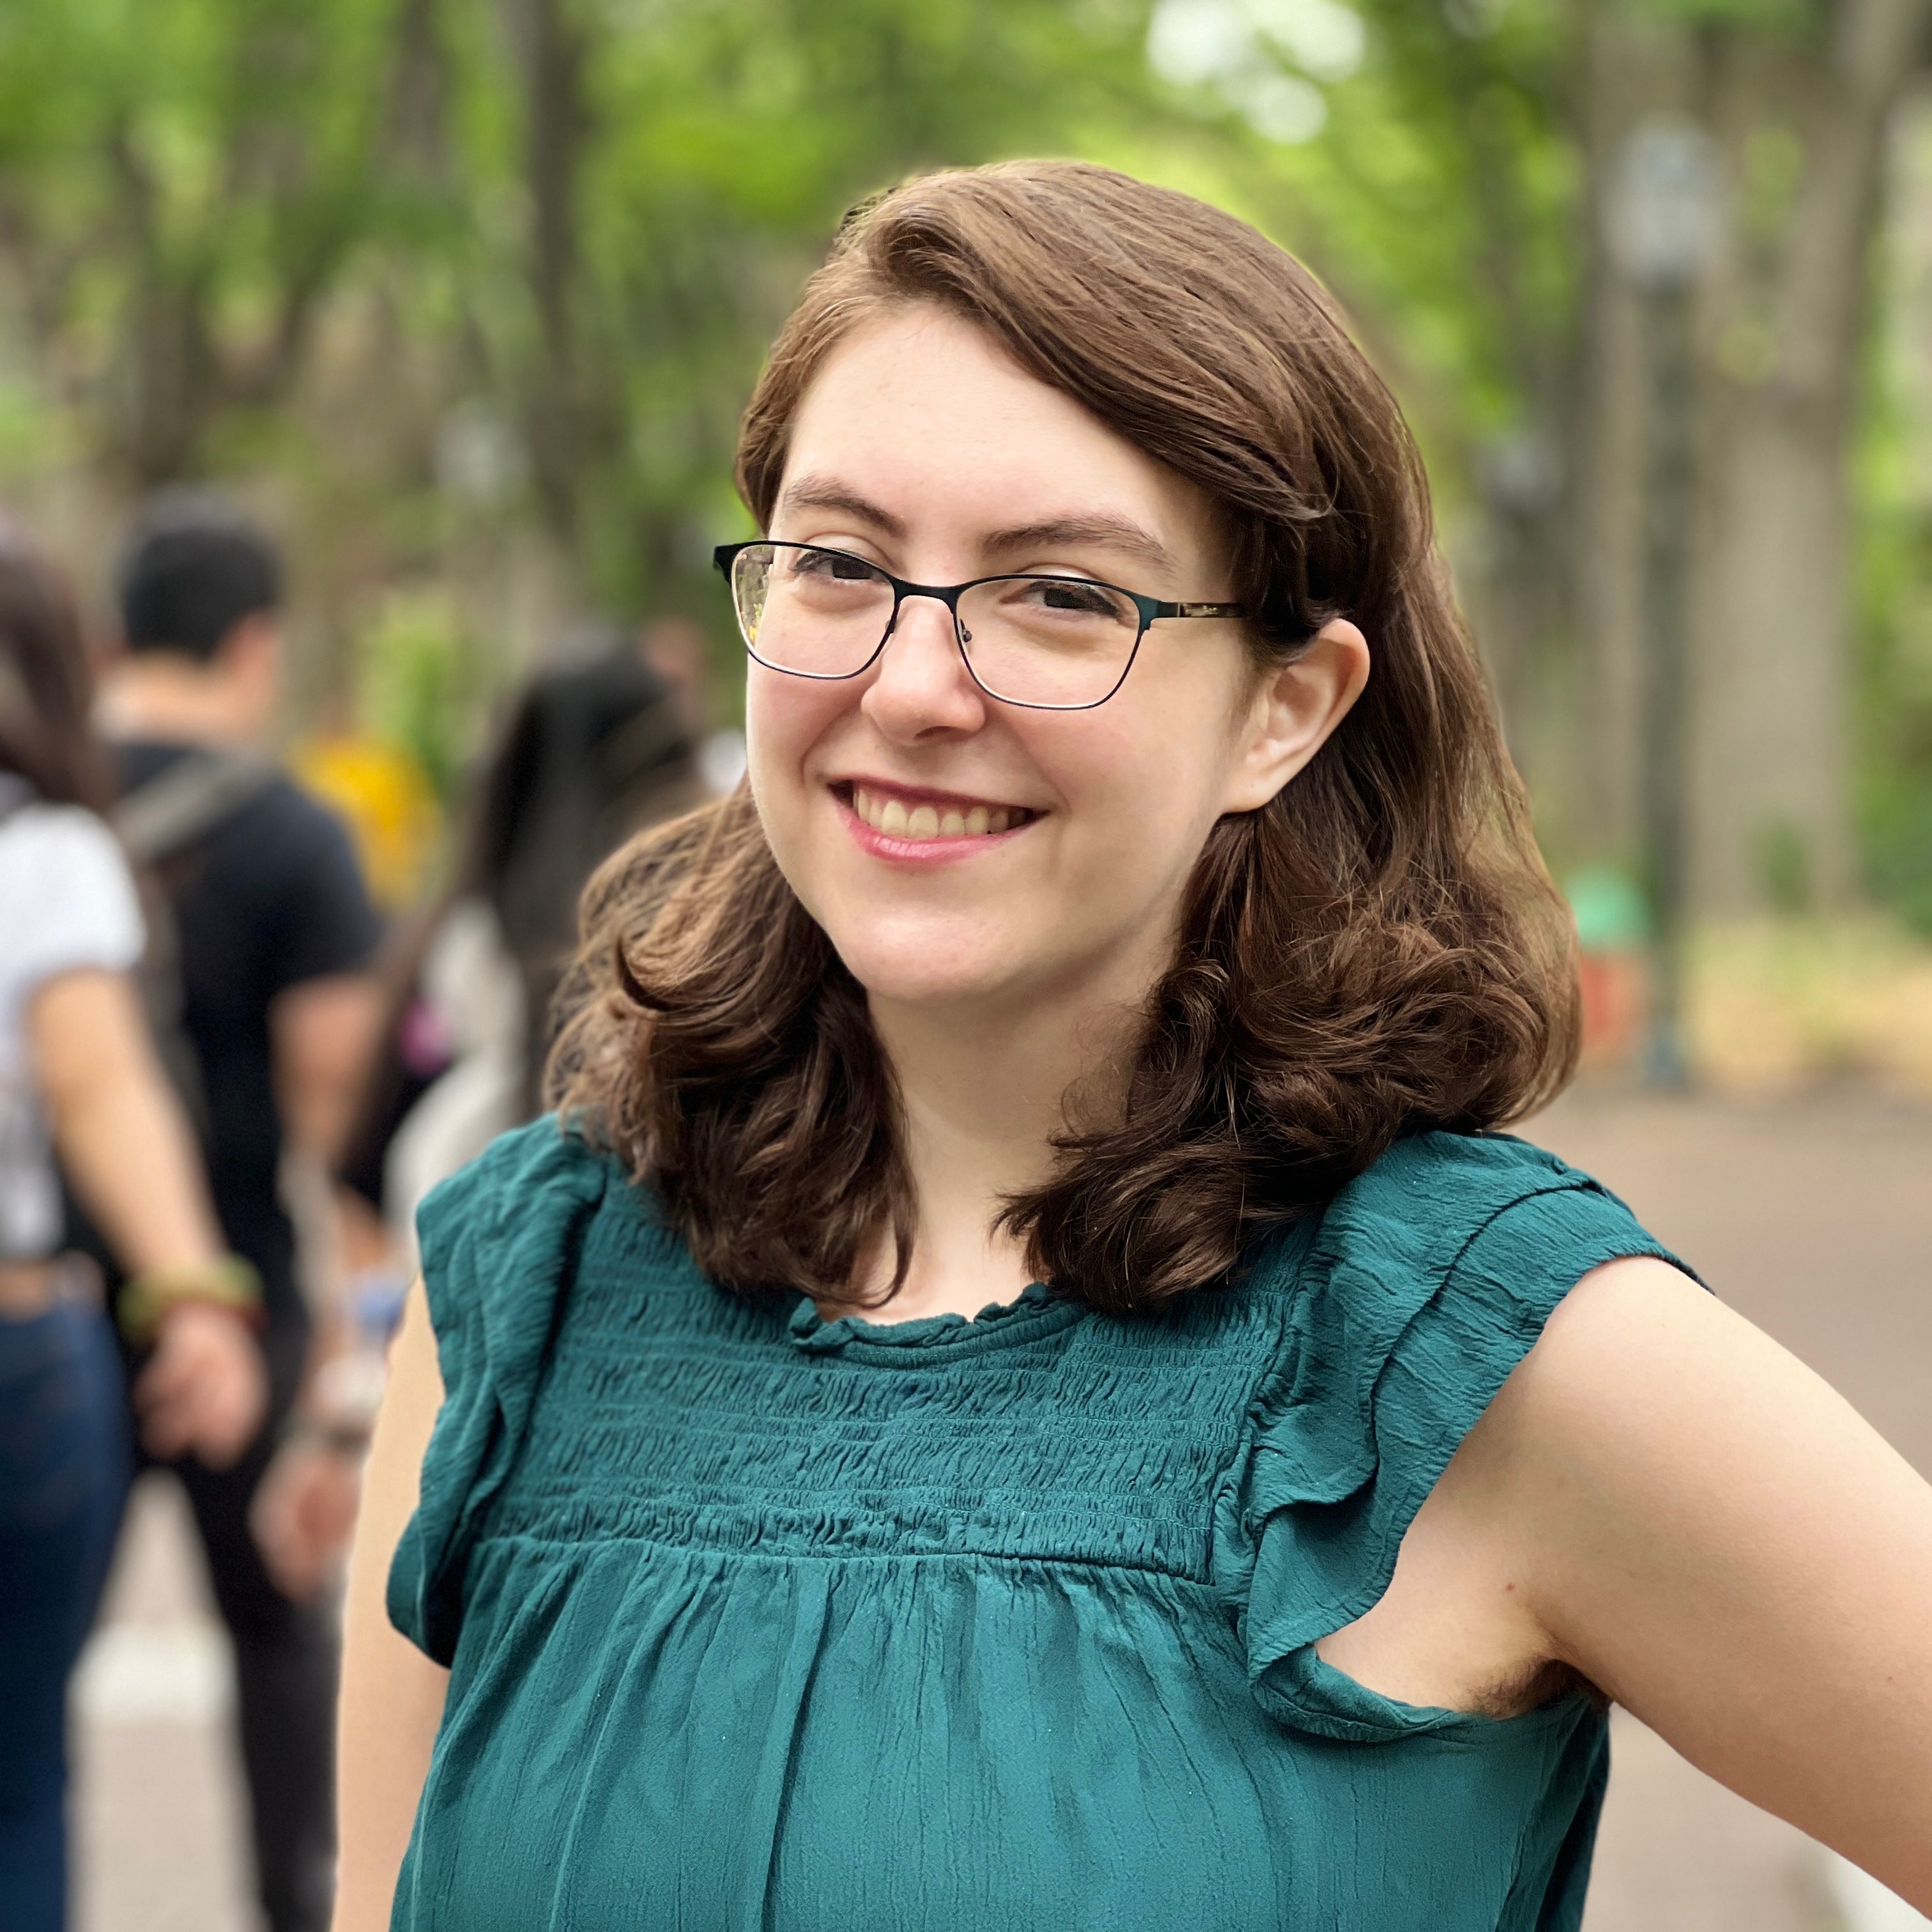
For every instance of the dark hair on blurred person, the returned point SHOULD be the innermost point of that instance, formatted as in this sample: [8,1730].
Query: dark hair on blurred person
[46,688]
[193,570]
[1377,951]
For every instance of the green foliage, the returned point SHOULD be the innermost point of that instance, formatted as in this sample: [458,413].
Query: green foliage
[181,182]
[1442,200]
[591,213]
[1895,814]
[422,682]
[1447,193]
[468,280]
[727,137]
[1893,534]
[1799,19]
[313,239]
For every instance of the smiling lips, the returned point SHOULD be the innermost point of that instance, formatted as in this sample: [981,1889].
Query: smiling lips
[895,819]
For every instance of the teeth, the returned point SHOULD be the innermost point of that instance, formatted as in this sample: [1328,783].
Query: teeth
[926,821]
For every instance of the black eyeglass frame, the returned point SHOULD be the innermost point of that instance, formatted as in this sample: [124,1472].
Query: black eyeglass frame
[1151,609]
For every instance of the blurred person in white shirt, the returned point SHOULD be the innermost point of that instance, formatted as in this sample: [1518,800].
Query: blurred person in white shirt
[80,1080]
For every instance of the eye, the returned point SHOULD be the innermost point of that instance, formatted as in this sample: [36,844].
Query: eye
[832,564]
[1070,598]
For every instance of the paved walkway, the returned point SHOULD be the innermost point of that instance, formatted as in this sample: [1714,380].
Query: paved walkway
[158,1823]
[1815,1219]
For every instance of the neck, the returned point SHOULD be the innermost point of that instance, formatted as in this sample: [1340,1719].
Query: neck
[174,700]
[983,1093]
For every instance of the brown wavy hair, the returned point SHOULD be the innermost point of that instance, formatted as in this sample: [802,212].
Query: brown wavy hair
[47,684]
[1377,951]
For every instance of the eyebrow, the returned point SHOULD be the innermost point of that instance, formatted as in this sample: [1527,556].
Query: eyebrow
[1116,533]
[1112,532]
[827,492]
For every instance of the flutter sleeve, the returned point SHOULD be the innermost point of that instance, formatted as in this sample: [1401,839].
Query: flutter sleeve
[500,1239]
[1431,1275]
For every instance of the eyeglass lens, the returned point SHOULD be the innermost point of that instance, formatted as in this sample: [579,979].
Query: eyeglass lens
[1056,642]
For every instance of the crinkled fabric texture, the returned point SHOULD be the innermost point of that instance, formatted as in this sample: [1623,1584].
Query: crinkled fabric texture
[761,1622]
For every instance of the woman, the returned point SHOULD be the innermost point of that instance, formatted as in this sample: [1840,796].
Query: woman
[595,747]
[786,1554]
[78,1075]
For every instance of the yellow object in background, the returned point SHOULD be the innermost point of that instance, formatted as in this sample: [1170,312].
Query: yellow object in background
[387,803]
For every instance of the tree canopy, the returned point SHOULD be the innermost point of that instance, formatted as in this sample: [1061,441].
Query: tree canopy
[471,296]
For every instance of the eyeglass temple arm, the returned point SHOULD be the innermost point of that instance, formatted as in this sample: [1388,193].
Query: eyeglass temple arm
[1200,610]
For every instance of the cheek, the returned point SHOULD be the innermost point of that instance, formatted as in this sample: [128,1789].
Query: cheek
[785,717]
[1145,782]
[773,714]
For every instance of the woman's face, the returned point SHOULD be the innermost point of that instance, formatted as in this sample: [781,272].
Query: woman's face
[921,448]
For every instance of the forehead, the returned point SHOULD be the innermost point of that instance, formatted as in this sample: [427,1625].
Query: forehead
[925,415]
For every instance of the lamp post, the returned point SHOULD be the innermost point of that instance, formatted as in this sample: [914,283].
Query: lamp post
[1664,216]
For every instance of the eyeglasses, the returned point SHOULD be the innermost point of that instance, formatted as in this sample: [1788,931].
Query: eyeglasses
[1049,643]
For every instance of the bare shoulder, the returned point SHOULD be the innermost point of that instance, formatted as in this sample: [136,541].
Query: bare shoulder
[1647,1381]
[1625,1348]
[1705,1529]
[1651,1414]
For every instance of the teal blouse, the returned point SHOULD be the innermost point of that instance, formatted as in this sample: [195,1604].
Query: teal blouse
[762,1622]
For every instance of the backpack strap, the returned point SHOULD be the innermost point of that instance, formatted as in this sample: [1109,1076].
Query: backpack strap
[190,798]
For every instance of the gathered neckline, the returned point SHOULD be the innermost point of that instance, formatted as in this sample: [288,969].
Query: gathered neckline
[1037,1311]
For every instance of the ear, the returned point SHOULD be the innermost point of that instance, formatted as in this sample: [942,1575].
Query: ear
[1293,712]
[253,645]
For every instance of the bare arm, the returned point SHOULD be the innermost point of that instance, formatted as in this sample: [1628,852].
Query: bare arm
[117,1126]
[1711,1534]
[322,1032]
[392,1694]
[127,1150]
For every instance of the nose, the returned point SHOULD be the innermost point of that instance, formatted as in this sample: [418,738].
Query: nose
[921,687]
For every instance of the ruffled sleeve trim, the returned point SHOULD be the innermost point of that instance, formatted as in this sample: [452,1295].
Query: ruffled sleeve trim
[500,1244]
[1431,1277]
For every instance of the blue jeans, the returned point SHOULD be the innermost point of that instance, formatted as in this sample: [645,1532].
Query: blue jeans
[63,1462]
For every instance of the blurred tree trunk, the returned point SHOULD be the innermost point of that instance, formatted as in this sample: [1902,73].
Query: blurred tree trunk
[168,378]
[552,52]
[1519,589]
[1626,70]
[1802,114]
[415,136]
[1806,128]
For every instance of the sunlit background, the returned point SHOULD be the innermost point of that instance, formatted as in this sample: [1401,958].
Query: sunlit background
[462,298]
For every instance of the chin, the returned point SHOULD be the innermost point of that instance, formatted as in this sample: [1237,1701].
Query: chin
[928,977]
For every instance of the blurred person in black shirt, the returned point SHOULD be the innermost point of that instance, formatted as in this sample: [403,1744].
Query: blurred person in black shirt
[80,1081]
[272,935]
